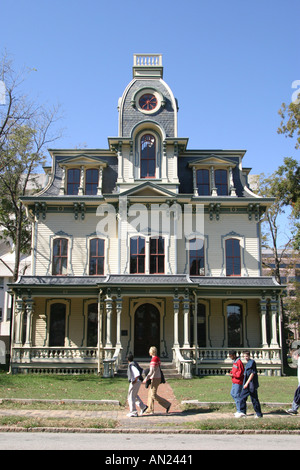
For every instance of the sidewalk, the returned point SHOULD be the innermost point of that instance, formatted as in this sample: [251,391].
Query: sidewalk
[159,422]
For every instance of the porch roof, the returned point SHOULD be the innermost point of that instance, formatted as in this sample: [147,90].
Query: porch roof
[170,280]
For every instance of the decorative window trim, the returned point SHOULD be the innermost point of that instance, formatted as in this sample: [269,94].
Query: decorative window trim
[61,234]
[241,238]
[158,154]
[90,237]
[82,167]
[167,268]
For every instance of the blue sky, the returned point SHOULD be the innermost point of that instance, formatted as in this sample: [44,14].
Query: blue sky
[230,64]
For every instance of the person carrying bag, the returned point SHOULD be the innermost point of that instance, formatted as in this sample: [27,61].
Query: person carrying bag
[157,377]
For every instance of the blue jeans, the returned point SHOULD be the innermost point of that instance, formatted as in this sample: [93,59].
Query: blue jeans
[295,406]
[236,390]
[254,398]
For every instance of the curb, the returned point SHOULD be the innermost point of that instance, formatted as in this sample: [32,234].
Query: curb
[63,400]
[144,431]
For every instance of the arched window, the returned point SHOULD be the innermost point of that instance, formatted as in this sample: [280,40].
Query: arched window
[92,325]
[96,257]
[233,257]
[57,331]
[91,181]
[221,182]
[235,325]
[60,257]
[137,255]
[148,158]
[73,181]
[196,252]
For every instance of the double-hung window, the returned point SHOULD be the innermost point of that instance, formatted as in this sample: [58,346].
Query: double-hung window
[91,181]
[221,182]
[137,255]
[73,181]
[233,257]
[60,257]
[196,252]
[203,182]
[157,255]
[96,257]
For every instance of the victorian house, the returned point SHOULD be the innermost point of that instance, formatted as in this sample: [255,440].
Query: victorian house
[145,243]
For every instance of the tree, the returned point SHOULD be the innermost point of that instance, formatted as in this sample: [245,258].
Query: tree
[290,170]
[290,123]
[24,133]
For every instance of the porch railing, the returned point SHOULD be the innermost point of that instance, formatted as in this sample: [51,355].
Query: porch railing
[68,357]
[189,361]
[215,361]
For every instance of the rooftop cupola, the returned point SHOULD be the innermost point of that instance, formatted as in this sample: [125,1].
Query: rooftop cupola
[147,66]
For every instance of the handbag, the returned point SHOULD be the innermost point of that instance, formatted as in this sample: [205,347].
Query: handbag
[162,377]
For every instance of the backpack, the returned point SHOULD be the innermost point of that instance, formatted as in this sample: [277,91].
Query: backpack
[139,368]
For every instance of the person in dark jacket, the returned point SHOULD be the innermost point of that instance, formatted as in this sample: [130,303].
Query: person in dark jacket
[250,386]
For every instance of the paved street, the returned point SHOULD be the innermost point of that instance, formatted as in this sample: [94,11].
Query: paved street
[122,442]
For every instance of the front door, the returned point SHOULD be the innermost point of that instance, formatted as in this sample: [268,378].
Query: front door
[146,330]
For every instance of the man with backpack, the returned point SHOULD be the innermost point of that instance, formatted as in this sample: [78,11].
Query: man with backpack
[135,378]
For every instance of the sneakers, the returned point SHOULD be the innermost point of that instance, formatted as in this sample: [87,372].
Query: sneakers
[239,414]
[133,414]
[144,410]
[291,411]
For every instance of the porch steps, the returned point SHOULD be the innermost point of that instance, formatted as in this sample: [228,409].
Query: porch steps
[168,368]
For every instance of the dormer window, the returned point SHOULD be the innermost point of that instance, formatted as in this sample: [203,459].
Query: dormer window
[203,182]
[213,176]
[91,181]
[221,182]
[82,175]
[73,181]
[148,152]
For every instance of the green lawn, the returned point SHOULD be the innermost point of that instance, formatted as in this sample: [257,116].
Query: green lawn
[217,389]
[205,389]
[59,387]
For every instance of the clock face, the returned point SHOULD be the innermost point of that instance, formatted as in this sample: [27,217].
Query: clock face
[148,102]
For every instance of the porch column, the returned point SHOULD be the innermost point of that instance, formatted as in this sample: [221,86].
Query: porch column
[263,316]
[274,310]
[29,310]
[196,323]
[108,308]
[186,311]
[176,314]
[119,313]
[19,313]
[100,321]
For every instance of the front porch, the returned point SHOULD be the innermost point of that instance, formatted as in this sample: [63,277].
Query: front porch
[72,328]
[188,361]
